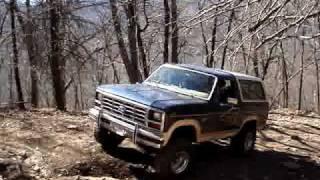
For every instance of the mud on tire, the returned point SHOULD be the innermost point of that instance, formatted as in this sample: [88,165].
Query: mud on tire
[167,162]
[244,142]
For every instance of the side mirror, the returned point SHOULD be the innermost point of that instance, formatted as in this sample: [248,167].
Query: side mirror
[233,101]
[139,82]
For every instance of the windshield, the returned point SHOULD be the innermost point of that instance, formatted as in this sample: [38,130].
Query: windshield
[182,81]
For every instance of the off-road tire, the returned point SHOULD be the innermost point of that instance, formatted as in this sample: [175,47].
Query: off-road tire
[106,138]
[163,161]
[239,142]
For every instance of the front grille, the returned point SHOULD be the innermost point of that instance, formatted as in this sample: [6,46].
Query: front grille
[125,111]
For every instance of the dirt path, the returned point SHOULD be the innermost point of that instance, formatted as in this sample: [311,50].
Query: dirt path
[50,145]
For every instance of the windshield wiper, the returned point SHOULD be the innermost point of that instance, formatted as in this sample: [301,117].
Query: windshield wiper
[152,83]
[175,88]
[188,93]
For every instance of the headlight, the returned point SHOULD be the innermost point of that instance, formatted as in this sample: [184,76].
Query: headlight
[156,119]
[155,115]
[99,96]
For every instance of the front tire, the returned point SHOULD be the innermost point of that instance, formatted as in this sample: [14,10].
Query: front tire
[175,159]
[244,142]
[106,138]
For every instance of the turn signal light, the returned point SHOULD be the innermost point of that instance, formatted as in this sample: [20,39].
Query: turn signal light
[154,125]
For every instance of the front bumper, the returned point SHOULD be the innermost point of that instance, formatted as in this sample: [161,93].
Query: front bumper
[136,133]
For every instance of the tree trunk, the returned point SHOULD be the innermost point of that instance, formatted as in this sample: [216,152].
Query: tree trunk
[206,49]
[142,53]
[132,35]
[166,31]
[32,57]
[2,22]
[132,71]
[255,63]
[224,52]
[108,50]
[204,39]
[285,83]
[81,90]
[15,55]
[175,33]
[254,57]
[56,64]
[266,64]
[301,73]
[317,71]
[28,29]
[10,81]
[76,97]
[318,85]
[213,42]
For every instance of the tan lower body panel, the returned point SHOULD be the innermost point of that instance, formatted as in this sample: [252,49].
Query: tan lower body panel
[201,137]
[216,135]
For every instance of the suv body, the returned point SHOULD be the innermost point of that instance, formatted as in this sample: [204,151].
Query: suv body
[182,101]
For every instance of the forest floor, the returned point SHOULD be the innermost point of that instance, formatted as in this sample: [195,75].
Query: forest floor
[47,144]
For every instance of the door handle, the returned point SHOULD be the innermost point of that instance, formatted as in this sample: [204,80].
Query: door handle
[235,108]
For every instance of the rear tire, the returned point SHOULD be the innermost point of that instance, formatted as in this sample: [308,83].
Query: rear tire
[175,159]
[106,138]
[244,142]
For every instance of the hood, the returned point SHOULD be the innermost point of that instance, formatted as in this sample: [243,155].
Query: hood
[150,96]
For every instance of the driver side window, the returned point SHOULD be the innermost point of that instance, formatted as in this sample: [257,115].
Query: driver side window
[226,89]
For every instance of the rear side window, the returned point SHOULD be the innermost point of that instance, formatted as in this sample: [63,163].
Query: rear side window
[252,90]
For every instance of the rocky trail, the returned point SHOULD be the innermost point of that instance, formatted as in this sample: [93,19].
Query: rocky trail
[47,144]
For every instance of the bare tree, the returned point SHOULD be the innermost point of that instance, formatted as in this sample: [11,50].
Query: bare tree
[204,39]
[285,83]
[131,67]
[317,82]
[175,32]
[28,29]
[142,54]
[316,61]
[301,73]
[56,63]
[132,35]
[230,20]
[2,21]
[213,42]
[253,56]
[16,55]
[166,31]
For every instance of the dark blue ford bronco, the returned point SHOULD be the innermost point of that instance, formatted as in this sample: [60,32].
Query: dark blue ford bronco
[177,106]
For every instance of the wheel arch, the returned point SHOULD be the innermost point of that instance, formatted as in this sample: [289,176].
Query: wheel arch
[249,123]
[190,127]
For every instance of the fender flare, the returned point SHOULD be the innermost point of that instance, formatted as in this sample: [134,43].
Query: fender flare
[182,123]
[251,118]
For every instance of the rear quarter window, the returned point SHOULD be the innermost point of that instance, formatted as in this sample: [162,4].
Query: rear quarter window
[252,90]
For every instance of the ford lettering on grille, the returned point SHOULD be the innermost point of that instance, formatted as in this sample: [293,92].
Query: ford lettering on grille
[124,110]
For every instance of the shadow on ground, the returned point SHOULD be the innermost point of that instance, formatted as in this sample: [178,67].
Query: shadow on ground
[215,161]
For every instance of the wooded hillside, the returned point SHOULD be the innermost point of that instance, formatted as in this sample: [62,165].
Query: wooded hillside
[53,53]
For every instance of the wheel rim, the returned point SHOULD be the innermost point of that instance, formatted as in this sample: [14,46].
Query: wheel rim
[249,141]
[180,162]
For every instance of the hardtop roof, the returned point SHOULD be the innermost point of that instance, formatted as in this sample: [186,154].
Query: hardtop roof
[219,72]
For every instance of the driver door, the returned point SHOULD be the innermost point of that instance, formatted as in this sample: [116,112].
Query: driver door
[224,107]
